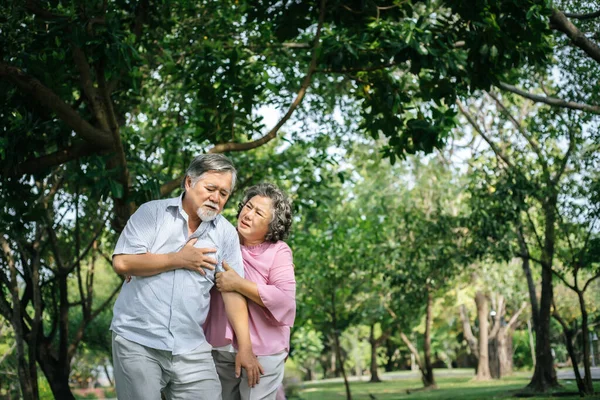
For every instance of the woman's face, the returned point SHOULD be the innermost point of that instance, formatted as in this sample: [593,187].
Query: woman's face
[254,219]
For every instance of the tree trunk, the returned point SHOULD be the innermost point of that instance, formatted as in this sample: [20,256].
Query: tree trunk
[505,353]
[544,376]
[25,379]
[571,350]
[500,354]
[587,379]
[338,348]
[428,378]
[341,366]
[110,381]
[535,309]
[333,361]
[483,367]
[374,374]
[57,376]
[390,349]
[493,353]
[531,343]
[468,332]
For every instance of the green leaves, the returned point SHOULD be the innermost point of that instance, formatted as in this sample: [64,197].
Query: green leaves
[116,189]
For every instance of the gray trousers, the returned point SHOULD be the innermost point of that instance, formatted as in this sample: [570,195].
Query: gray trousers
[141,373]
[237,388]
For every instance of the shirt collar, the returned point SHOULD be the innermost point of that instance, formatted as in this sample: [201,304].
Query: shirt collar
[177,202]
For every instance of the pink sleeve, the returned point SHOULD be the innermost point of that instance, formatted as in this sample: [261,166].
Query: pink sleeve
[279,295]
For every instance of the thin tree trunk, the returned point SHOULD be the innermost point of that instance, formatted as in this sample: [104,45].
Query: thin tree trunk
[25,379]
[36,324]
[338,348]
[413,351]
[531,343]
[341,366]
[483,367]
[428,378]
[110,381]
[571,351]
[374,343]
[525,265]
[587,379]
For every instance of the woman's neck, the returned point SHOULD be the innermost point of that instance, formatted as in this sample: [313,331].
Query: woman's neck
[250,242]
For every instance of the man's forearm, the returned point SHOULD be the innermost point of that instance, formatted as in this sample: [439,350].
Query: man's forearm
[236,309]
[147,264]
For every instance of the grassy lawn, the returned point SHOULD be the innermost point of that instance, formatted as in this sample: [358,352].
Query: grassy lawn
[462,388]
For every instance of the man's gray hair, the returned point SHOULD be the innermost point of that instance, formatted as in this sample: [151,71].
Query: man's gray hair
[279,227]
[209,163]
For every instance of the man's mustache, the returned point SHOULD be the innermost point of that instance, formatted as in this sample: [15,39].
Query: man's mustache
[211,204]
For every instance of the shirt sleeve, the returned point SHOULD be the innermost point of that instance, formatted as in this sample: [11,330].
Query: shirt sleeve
[138,235]
[232,252]
[279,295]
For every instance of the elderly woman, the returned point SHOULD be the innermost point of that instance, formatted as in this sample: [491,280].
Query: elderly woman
[264,220]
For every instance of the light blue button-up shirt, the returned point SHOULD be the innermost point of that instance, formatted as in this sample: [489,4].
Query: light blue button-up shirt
[166,311]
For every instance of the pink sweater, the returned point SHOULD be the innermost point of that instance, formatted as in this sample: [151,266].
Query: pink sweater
[270,266]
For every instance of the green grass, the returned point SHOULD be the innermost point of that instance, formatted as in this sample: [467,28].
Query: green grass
[460,388]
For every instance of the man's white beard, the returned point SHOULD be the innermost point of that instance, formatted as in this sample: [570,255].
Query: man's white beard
[207,214]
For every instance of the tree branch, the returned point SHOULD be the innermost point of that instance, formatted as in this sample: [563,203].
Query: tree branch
[102,306]
[552,101]
[39,11]
[565,160]
[561,23]
[87,84]
[474,124]
[50,100]
[43,163]
[516,315]
[468,332]
[84,323]
[356,69]
[563,279]
[87,248]
[528,256]
[592,279]
[413,350]
[54,245]
[8,352]
[532,142]
[224,147]
[113,128]
[535,232]
[582,17]
[498,317]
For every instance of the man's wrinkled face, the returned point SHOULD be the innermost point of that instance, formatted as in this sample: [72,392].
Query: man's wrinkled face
[208,195]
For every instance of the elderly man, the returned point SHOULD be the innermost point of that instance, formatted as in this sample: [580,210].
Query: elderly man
[170,248]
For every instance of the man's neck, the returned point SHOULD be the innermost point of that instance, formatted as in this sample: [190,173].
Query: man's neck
[193,224]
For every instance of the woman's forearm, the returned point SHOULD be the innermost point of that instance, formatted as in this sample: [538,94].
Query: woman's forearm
[249,289]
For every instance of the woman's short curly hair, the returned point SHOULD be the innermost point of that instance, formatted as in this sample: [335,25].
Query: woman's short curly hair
[279,227]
